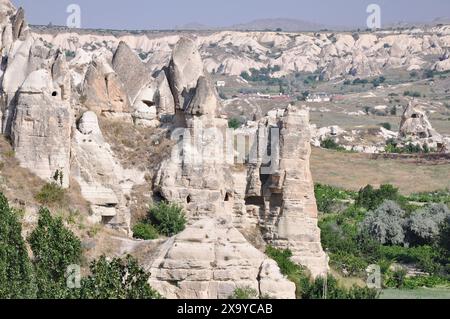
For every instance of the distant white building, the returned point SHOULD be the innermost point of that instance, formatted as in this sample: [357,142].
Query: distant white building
[318,97]
[220,84]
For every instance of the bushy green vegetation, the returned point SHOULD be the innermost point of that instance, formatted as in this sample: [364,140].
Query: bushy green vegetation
[17,278]
[386,125]
[393,147]
[117,279]
[145,231]
[168,218]
[412,94]
[244,293]
[327,197]
[55,248]
[51,193]
[383,227]
[262,75]
[370,198]
[163,218]
[330,144]
[307,288]
[234,123]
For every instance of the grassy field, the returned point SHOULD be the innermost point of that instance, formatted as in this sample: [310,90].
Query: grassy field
[353,171]
[421,293]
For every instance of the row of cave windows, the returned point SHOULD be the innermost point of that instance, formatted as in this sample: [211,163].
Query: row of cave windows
[227,198]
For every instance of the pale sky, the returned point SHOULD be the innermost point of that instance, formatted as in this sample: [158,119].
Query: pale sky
[166,14]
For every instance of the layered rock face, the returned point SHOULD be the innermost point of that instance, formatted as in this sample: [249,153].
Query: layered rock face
[40,134]
[104,183]
[290,210]
[416,128]
[210,259]
[204,178]
[51,111]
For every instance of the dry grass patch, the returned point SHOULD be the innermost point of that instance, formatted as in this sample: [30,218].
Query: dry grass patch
[353,171]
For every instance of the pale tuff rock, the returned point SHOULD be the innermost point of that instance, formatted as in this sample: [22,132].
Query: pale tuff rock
[132,72]
[104,183]
[163,97]
[185,68]
[155,103]
[210,259]
[290,211]
[40,134]
[102,89]
[205,100]
[415,127]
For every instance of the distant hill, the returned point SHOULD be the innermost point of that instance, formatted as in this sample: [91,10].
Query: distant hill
[290,25]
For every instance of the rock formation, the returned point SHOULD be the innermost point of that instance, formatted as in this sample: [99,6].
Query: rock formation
[416,128]
[103,181]
[234,203]
[210,259]
[41,127]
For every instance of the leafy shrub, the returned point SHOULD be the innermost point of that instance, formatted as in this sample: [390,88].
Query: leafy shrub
[425,257]
[117,279]
[386,224]
[395,279]
[144,231]
[306,288]
[168,218]
[425,224]
[330,144]
[54,248]
[51,193]
[16,271]
[441,196]
[334,291]
[327,197]
[412,93]
[386,125]
[244,293]
[370,198]
[234,123]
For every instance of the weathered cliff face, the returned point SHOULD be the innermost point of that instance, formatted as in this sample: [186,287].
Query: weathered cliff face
[103,181]
[41,127]
[204,178]
[51,111]
[416,128]
[290,210]
[210,259]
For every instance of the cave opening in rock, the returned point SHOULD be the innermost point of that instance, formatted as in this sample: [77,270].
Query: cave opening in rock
[54,93]
[188,199]
[227,197]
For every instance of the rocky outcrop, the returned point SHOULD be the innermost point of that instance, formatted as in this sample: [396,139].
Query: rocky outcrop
[185,68]
[41,127]
[290,211]
[209,260]
[102,90]
[131,71]
[103,181]
[416,128]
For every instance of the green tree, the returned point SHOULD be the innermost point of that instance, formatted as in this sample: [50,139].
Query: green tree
[168,218]
[55,248]
[117,279]
[16,271]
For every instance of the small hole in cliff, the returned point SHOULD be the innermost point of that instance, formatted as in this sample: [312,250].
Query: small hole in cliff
[54,93]
[188,199]
[227,197]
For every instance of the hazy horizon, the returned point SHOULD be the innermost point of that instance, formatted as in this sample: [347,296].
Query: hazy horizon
[141,14]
